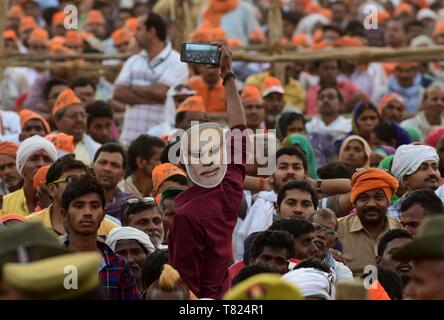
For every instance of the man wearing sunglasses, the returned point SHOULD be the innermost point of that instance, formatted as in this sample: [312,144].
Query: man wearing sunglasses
[60,174]
[200,235]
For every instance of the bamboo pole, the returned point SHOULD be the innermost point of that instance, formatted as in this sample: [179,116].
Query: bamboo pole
[274,36]
[3,11]
[179,24]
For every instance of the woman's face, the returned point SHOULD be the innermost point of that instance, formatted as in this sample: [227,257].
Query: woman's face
[354,155]
[393,111]
[367,121]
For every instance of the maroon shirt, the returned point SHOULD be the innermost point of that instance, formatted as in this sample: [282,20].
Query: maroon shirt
[199,240]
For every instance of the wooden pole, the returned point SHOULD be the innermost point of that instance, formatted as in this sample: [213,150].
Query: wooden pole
[275,35]
[179,24]
[3,11]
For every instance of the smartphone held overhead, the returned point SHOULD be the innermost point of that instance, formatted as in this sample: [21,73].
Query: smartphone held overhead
[200,53]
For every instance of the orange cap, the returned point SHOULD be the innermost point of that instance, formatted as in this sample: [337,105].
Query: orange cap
[389,98]
[10,35]
[61,141]
[251,93]
[121,36]
[26,115]
[12,216]
[347,41]
[131,25]
[38,34]
[164,171]
[8,148]
[15,12]
[27,23]
[40,177]
[234,43]
[193,103]
[301,40]
[58,18]
[74,38]
[406,64]
[383,16]
[421,3]
[403,8]
[95,16]
[257,35]
[65,99]
[271,85]
[439,28]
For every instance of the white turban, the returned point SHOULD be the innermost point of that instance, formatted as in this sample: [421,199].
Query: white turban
[312,282]
[30,146]
[409,157]
[129,233]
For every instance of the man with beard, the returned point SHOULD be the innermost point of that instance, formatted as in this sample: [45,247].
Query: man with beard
[83,204]
[10,179]
[134,245]
[415,167]
[273,100]
[109,168]
[359,233]
[388,246]
[144,215]
[325,224]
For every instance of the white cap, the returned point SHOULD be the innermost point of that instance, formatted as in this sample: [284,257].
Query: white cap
[272,89]
[426,13]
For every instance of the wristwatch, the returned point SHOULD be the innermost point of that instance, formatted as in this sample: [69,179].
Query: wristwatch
[227,76]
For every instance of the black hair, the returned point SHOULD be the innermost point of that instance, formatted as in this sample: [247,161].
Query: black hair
[153,266]
[386,132]
[291,17]
[427,199]
[98,109]
[313,262]
[164,155]
[366,105]
[274,239]
[82,82]
[390,236]
[332,28]
[338,92]
[112,147]
[179,117]
[285,121]
[62,165]
[130,209]
[335,170]
[355,28]
[248,272]
[52,83]
[300,185]
[179,179]
[293,151]
[247,246]
[143,147]
[317,63]
[155,21]
[396,19]
[80,187]
[48,13]
[295,226]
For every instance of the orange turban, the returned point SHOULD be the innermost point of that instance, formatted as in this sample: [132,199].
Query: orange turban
[8,148]
[389,98]
[439,28]
[9,35]
[73,38]
[251,93]
[257,35]
[38,34]
[27,23]
[301,40]
[40,177]
[193,103]
[95,16]
[15,12]
[403,8]
[347,41]
[271,85]
[11,217]
[320,45]
[58,18]
[164,171]
[131,25]
[234,43]
[383,16]
[121,36]
[372,179]
[26,115]
[65,99]
[61,141]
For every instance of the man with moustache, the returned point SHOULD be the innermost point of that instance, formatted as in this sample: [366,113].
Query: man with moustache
[359,233]
[415,167]
[10,179]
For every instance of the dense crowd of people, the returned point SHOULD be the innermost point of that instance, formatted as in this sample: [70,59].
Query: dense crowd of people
[175,181]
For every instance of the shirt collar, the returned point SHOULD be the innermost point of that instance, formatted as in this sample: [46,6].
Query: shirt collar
[161,56]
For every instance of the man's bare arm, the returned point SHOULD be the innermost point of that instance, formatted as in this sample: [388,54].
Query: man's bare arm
[127,96]
[154,93]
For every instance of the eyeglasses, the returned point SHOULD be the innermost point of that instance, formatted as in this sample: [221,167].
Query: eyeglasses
[327,231]
[143,200]
[66,179]
[74,116]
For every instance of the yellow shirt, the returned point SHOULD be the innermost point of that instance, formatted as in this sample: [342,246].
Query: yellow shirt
[360,248]
[44,217]
[15,202]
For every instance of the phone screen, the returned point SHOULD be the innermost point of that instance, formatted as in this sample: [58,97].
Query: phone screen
[200,53]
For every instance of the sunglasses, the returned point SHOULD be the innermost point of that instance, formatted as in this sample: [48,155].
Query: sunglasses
[66,179]
[135,205]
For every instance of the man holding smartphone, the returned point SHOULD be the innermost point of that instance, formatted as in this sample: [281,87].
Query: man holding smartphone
[199,237]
